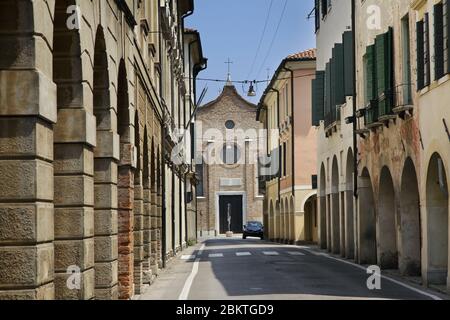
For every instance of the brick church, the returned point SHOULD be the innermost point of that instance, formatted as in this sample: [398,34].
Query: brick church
[228,138]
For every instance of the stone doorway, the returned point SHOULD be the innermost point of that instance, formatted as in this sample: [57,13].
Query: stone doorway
[234,205]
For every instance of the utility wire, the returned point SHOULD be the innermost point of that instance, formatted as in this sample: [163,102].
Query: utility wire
[252,81]
[274,38]
[261,39]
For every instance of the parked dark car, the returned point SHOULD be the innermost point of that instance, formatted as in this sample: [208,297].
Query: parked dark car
[253,229]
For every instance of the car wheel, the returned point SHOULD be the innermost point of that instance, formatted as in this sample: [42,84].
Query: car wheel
[244,237]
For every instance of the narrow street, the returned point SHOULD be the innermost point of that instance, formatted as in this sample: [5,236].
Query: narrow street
[236,269]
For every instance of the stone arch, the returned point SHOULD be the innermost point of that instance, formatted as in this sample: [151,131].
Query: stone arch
[348,207]
[367,248]
[437,206]
[310,209]
[410,240]
[386,222]
[322,208]
[335,208]
[73,140]
[125,187]
[106,157]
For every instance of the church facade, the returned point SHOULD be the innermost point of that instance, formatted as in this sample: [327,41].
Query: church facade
[227,147]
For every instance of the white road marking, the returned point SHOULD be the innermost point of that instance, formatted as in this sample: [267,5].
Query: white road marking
[434,297]
[200,251]
[188,284]
[216,255]
[296,253]
[271,253]
[188,257]
[243,254]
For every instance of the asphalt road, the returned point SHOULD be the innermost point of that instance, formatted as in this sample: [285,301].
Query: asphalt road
[236,269]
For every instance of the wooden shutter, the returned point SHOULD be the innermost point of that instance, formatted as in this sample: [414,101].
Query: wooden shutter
[328,96]
[371,86]
[333,88]
[318,88]
[349,68]
[420,55]
[427,56]
[385,71]
[339,78]
[438,40]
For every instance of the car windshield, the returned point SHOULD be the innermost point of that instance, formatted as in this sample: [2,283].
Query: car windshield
[254,224]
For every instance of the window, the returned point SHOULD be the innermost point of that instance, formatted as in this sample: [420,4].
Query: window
[231,154]
[423,53]
[406,62]
[230,125]
[286,100]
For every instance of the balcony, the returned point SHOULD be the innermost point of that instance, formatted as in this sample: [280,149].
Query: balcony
[403,102]
[371,115]
[332,119]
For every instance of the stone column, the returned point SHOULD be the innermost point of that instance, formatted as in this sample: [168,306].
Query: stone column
[27,112]
[154,233]
[147,234]
[138,232]
[105,220]
[126,222]
[159,231]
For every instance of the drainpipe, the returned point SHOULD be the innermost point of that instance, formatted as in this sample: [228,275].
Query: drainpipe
[355,141]
[164,209]
[292,128]
[279,144]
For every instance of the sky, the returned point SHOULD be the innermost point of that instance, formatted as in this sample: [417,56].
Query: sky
[233,29]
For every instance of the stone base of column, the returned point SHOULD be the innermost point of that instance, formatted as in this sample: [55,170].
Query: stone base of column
[107,293]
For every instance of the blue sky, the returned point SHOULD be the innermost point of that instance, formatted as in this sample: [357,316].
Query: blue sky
[233,28]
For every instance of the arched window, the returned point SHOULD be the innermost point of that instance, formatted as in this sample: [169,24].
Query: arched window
[231,154]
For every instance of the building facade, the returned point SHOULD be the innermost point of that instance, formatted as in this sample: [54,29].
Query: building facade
[399,212]
[86,128]
[285,111]
[227,166]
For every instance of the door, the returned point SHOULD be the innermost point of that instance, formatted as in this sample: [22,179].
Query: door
[230,206]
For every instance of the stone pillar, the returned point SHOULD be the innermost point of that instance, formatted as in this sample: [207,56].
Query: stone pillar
[349,223]
[335,223]
[126,222]
[147,235]
[322,221]
[105,222]
[27,112]
[154,233]
[159,231]
[138,232]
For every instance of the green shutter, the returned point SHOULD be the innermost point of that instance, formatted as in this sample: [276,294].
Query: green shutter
[438,41]
[371,87]
[385,71]
[318,87]
[426,22]
[338,73]
[333,89]
[327,92]
[420,56]
[349,68]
